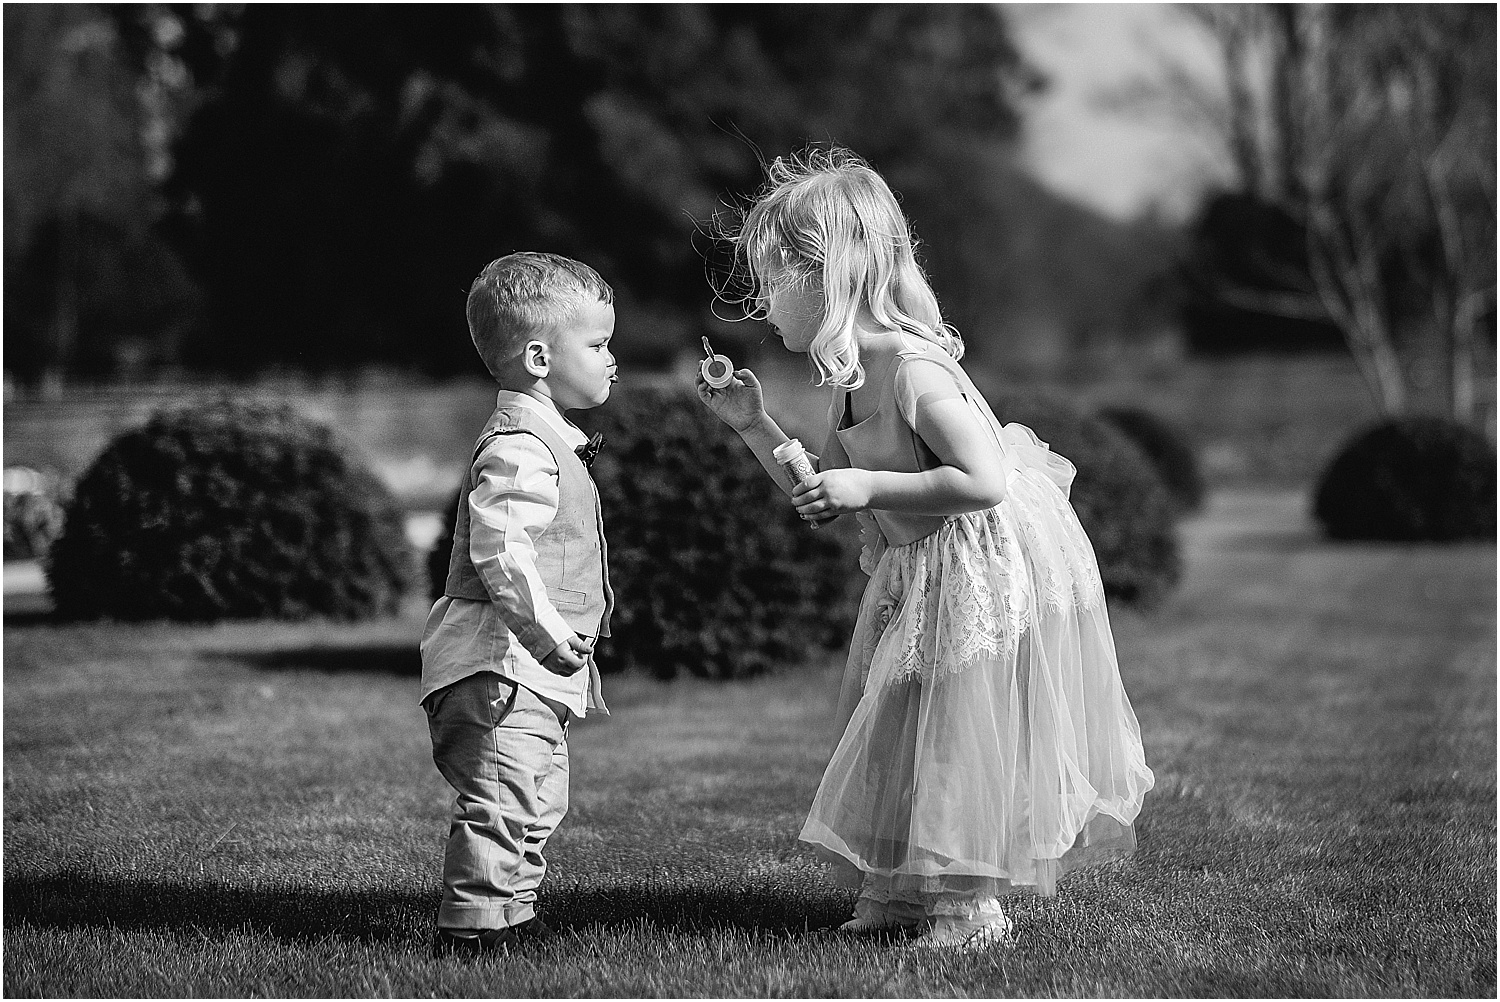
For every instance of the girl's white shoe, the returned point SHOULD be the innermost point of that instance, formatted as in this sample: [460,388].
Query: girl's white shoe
[949,932]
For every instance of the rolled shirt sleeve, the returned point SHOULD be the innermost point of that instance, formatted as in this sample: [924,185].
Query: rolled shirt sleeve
[513,501]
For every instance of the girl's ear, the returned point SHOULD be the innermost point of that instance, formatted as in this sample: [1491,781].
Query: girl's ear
[536,357]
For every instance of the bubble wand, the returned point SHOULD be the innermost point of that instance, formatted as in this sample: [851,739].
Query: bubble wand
[717,370]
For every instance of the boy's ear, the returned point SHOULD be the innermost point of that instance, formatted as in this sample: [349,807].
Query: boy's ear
[537,359]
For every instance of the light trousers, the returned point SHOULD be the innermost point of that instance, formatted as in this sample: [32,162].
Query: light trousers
[504,750]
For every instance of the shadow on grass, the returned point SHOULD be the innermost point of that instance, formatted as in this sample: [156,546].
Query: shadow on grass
[73,899]
[24,616]
[695,909]
[388,659]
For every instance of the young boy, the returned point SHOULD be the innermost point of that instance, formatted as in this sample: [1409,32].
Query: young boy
[507,651]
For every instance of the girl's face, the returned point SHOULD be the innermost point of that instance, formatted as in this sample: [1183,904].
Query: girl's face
[795,311]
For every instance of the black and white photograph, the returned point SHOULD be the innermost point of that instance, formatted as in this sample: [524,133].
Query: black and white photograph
[794,500]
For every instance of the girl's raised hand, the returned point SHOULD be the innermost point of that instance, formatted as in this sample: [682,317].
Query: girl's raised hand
[739,405]
[832,493]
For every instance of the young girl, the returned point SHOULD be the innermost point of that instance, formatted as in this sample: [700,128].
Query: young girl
[989,746]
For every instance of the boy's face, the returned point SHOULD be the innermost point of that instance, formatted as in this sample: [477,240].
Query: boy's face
[581,369]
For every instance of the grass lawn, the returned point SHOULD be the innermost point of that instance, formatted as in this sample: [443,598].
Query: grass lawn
[250,809]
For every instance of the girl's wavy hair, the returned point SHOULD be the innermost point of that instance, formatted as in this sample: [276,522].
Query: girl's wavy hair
[827,217]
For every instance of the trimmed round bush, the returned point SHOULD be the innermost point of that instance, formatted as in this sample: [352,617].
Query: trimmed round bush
[1411,478]
[1129,515]
[714,573]
[1168,448]
[229,510]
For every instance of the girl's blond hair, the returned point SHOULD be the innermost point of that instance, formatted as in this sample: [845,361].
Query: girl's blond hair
[827,217]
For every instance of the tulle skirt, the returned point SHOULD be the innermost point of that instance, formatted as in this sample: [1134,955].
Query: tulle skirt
[989,745]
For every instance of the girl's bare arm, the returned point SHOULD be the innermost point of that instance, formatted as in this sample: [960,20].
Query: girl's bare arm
[970,477]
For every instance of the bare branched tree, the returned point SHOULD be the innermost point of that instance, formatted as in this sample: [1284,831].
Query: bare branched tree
[1372,127]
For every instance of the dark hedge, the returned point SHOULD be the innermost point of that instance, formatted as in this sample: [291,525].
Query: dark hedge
[1167,446]
[714,573]
[229,510]
[1411,478]
[1123,505]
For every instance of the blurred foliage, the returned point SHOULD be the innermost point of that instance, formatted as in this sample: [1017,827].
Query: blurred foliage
[1121,502]
[229,510]
[1031,279]
[249,187]
[1172,453]
[1239,242]
[714,573]
[71,119]
[1364,140]
[98,294]
[90,286]
[1409,479]
[333,176]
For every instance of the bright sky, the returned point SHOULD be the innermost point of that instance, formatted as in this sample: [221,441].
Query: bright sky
[1114,161]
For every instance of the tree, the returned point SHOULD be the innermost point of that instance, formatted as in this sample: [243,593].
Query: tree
[90,288]
[71,154]
[1370,129]
[350,167]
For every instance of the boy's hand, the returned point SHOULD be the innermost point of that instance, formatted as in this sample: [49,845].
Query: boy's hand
[832,493]
[569,656]
[739,405]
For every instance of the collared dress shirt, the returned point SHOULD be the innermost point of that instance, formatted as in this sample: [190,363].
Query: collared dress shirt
[513,501]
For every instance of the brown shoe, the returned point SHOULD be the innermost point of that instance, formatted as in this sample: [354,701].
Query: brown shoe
[448,943]
[533,930]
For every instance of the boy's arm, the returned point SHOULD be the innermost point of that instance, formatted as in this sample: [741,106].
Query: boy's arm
[513,501]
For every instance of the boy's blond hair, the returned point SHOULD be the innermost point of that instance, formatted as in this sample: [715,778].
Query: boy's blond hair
[523,295]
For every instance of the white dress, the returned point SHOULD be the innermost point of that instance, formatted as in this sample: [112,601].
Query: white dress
[990,746]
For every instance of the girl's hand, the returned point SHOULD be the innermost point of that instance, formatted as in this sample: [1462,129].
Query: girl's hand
[832,493]
[739,405]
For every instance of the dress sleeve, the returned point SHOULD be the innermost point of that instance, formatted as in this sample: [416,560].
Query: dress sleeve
[919,384]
